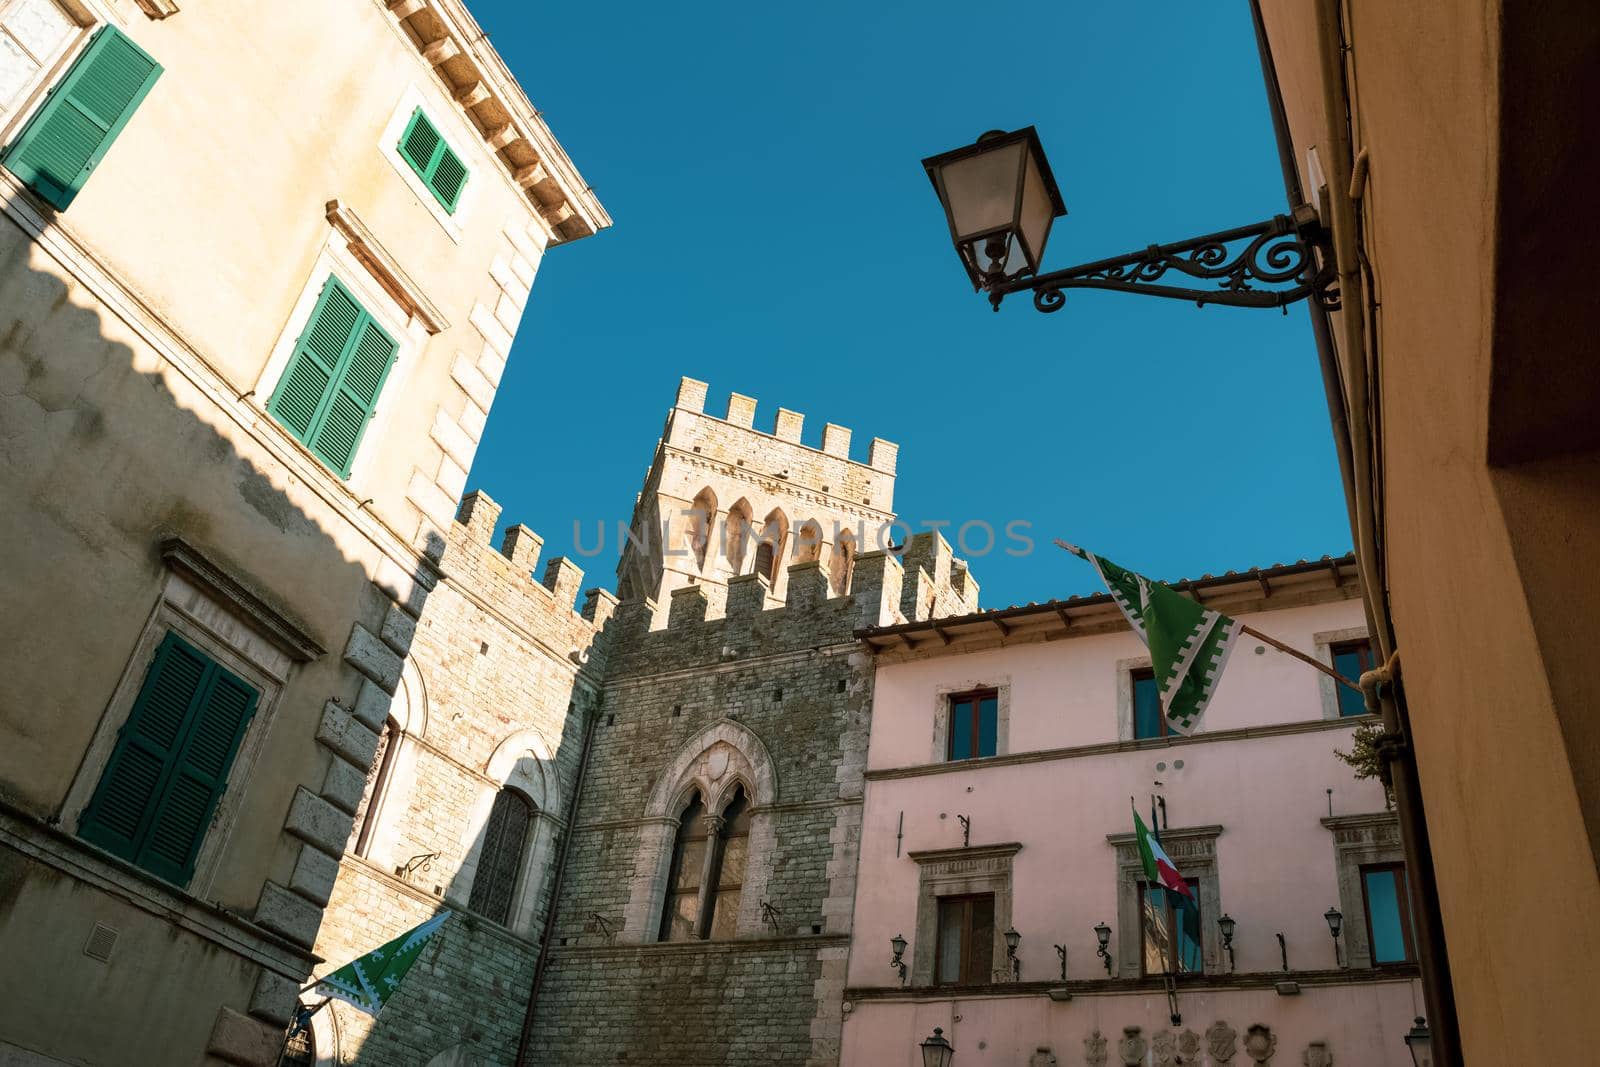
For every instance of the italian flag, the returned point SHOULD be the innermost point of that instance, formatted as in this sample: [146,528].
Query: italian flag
[1158,866]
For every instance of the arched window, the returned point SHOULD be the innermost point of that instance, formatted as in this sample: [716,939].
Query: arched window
[706,881]
[733,851]
[680,918]
[505,838]
[702,516]
[843,563]
[738,532]
[774,532]
[808,542]
[366,820]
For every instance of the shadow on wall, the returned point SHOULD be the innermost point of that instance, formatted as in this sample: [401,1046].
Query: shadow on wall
[108,448]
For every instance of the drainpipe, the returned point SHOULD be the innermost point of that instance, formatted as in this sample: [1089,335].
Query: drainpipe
[1348,396]
[555,886]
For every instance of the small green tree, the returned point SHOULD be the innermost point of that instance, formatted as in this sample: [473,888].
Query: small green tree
[1363,757]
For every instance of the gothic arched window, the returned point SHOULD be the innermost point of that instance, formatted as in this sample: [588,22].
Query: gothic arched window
[843,563]
[505,839]
[702,517]
[706,880]
[680,917]
[774,532]
[733,852]
[737,532]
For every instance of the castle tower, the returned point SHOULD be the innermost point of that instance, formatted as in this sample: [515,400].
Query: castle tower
[723,499]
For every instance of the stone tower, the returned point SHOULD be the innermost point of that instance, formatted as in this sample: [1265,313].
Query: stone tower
[704,910]
[723,499]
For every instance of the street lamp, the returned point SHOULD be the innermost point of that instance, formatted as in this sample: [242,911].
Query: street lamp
[1102,934]
[1013,939]
[1000,198]
[1420,1042]
[898,943]
[936,1051]
[1226,925]
[1335,923]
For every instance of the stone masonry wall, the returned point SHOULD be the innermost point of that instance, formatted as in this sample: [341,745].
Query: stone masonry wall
[498,689]
[793,678]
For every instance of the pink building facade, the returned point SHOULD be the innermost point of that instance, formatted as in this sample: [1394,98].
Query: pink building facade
[1005,747]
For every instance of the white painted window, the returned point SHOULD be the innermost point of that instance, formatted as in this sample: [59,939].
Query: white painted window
[455,136]
[34,36]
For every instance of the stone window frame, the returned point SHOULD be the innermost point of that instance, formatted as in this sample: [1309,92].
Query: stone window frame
[1194,850]
[952,872]
[89,15]
[1125,669]
[409,330]
[942,693]
[523,762]
[1327,688]
[447,122]
[218,615]
[1359,840]
[698,766]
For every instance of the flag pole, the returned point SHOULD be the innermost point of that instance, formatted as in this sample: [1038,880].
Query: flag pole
[1258,635]
[1301,656]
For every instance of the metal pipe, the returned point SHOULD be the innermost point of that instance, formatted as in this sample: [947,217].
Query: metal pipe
[1348,413]
[555,887]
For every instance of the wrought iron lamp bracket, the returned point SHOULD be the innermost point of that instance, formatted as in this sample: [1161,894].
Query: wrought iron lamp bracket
[1242,266]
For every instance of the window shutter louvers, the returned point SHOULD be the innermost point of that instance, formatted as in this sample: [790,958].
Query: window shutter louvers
[81,117]
[331,386]
[167,773]
[440,169]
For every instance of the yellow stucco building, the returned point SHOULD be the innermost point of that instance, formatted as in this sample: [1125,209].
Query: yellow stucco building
[260,269]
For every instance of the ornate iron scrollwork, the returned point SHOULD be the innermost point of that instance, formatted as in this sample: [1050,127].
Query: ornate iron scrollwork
[1269,264]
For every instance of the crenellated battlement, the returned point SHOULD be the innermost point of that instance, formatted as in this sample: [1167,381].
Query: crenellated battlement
[505,574]
[923,581]
[787,426]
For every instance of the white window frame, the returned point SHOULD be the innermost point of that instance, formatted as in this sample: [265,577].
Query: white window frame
[448,124]
[409,332]
[90,16]
[188,610]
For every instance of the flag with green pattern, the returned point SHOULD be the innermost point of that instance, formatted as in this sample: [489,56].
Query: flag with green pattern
[1189,644]
[369,982]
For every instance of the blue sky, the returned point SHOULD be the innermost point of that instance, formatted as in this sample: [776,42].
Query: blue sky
[775,236]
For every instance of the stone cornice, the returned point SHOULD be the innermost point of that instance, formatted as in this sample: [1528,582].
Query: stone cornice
[450,41]
[771,483]
[1049,755]
[384,267]
[1110,987]
[715,948]
[1004,850]
[289,636]
[1362,820]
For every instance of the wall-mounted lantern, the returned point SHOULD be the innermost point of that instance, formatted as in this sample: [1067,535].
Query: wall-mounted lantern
[1335,923]
[1013,939]
[898,943]
[936,1051]
[1226,925]
[1102,934]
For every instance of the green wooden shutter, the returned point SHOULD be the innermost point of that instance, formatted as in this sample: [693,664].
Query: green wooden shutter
[81,116]
[440,169]
[167,773]
[330,389]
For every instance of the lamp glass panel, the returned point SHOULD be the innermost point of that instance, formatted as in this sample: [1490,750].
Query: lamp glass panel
[1037,211]
[981,190]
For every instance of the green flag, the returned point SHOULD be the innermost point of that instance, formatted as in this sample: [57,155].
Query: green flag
[369,981]
[1189,644]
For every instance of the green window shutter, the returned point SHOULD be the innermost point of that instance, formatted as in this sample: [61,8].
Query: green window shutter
[330,388]
[440,169]
[82,115]
[167,773]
